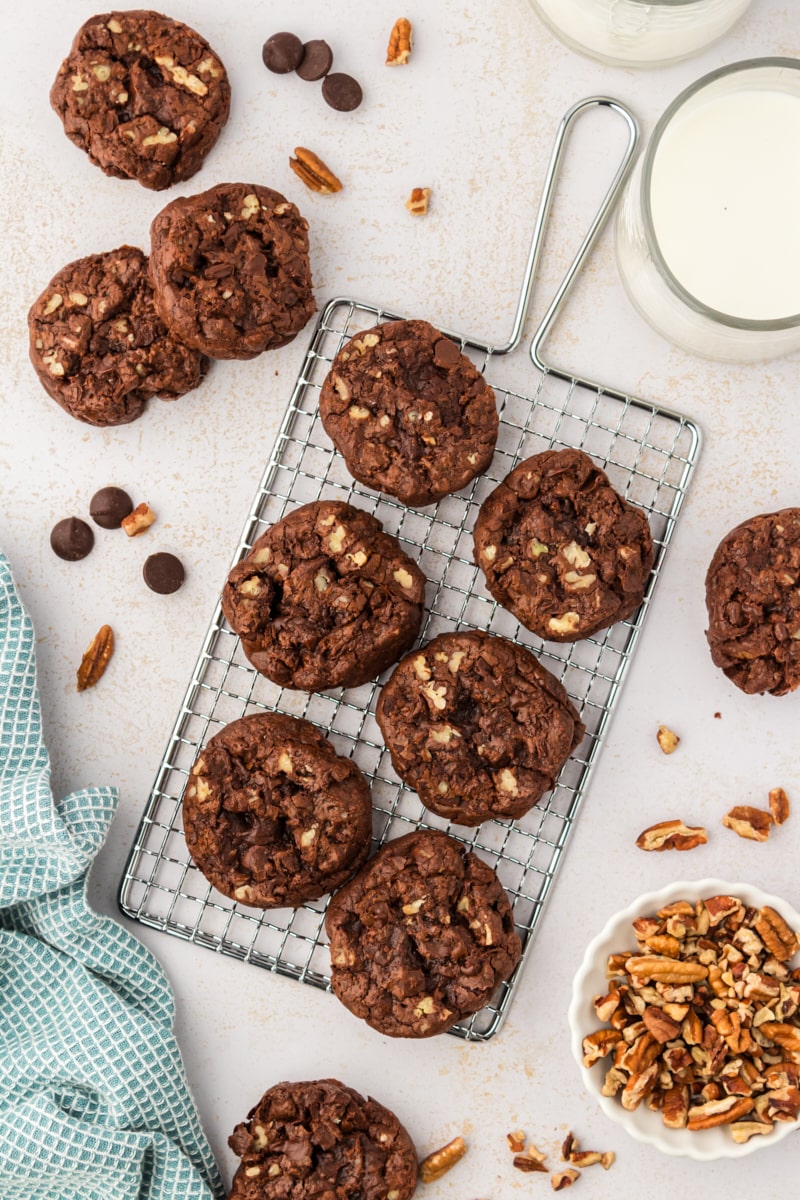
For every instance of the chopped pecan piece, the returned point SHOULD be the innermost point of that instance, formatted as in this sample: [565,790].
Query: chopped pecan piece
[779,806]
[742,1131]
[748,822]
[313,172]
[718,1112]
[672,835]
[96,658]
[398,51]
[524,1162]
[675,1109]
[516,1140]
[139,520]
[598,1045]
[563,1179]
[667,740]
[417,202]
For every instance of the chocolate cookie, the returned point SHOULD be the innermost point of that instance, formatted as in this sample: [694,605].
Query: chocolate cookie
[98,346]
[321,1141]
[560,549]
[145,96]
[325,598]
[272,815]
[421,937]
[477,726]
[230,270]
[410,414]
[753,602]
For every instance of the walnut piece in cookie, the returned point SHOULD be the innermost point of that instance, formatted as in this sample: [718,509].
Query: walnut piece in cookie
[321,1139]
[477,726]
[98,346]
[560,549]
[421,936]
[753,603]
[230,270]
[144,96]
[273,816]
[409,412]
[325,598]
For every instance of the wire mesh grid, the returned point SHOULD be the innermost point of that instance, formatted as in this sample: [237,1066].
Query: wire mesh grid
[648,453]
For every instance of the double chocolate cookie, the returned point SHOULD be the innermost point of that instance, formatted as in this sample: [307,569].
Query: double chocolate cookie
[98,346]
[321,1140]
[477,726]
[325,598]
[753,602]
[560,549]
[230,270]
[145,96]
[421,937]
[409,412]
[272,815]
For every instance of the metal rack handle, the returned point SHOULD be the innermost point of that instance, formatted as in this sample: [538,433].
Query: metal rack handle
[538,237]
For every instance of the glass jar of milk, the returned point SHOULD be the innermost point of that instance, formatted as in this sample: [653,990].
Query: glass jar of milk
[708,235]
[640,33]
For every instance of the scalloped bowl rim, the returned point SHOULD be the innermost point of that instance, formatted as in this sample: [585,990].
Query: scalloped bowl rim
[643,1124]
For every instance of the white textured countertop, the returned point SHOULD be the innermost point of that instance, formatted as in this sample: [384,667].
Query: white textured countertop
[473,117]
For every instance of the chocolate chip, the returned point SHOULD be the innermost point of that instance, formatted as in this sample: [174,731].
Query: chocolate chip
[109,507]
[282,53]
[71,539]
[341,91]
[316,61]
[163,573]
[446,353]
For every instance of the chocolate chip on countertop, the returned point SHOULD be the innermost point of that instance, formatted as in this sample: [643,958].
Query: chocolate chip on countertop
[71,539]
[109,507]
[163,573]
[341,91]
[316,61]
[282,53]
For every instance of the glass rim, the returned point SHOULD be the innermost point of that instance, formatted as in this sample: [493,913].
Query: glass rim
[720,318]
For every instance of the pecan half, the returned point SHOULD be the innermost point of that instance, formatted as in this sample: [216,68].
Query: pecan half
[748,822]
[398,51]
[665,970]
[779,806]
[777,936]
[439,1162]
[96,658]
[313,172]
[672,835]
[718,1112]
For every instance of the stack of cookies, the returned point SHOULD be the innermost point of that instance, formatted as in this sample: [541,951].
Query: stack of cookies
[228,275]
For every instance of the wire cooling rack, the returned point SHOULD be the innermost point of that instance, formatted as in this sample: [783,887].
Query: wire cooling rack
[648,453]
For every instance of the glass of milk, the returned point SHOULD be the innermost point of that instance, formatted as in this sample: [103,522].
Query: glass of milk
[708,231]
[640,33]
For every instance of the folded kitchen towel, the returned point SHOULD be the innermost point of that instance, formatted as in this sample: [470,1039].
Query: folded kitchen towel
[94,1103]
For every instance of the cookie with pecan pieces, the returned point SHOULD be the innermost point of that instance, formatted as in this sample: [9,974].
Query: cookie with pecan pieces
[273,816]
[409,412]
[561,549]
[230,270]
[99,347]
[421,936]
[477,726]
[144,96]
[325,598]
[753,603]
[321,1140]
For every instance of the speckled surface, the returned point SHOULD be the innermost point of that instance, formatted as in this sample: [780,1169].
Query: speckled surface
[472,117]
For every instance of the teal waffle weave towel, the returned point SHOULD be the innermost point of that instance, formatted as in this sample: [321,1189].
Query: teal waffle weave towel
[94,1103]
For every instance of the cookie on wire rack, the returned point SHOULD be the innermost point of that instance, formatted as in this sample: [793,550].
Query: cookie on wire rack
[561,549]
[410,414]
[273,816]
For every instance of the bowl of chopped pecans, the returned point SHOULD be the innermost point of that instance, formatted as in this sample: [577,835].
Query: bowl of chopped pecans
[685,1019]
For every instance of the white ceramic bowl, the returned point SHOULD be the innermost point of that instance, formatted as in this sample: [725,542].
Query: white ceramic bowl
[617,935]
